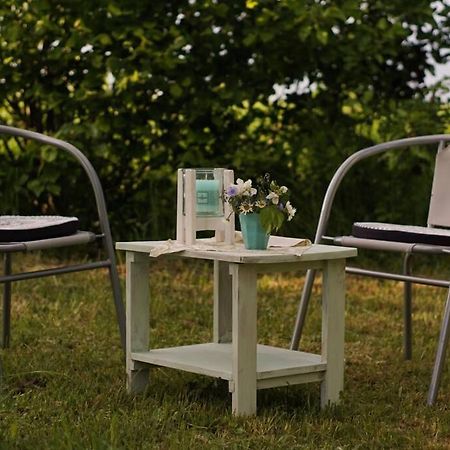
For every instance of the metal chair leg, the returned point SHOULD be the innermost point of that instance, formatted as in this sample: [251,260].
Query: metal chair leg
[6,303]
[120,310]
[407,309]
[115,284]
[440,354]
[303,307]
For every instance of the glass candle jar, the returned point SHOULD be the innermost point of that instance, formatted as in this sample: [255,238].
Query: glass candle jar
[209,192]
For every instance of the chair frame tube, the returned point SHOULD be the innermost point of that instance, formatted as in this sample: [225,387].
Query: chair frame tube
[328,202]
[101,209]
[330,194]
[6,317]
[407,308]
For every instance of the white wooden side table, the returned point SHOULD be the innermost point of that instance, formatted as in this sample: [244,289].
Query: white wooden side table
[234,354]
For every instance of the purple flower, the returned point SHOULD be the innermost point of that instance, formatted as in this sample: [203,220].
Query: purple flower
[232,190]
[280,206]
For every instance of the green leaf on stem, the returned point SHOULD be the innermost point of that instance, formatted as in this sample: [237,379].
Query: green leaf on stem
[271,218]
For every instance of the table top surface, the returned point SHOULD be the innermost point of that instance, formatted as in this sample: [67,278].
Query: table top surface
[238,254]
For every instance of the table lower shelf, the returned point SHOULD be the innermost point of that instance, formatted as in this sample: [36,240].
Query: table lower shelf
[275,366]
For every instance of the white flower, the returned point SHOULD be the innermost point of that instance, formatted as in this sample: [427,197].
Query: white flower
[240,186]
[260,204]
[246,208]
[283,189]
[245,188]
[291,210]
[274,197]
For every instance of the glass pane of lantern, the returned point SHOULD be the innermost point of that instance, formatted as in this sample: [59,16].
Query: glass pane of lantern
[209,189]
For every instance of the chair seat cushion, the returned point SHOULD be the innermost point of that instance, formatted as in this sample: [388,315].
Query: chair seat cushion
[401,233]
[33,228]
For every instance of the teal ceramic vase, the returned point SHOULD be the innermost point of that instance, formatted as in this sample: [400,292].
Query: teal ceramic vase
[254,235]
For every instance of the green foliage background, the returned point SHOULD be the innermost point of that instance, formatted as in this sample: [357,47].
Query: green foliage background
[145,87]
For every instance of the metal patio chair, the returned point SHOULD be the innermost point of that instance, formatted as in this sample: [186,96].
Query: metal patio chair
[25,233]
[409,240]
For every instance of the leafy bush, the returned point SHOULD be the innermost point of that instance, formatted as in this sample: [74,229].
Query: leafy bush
[146,87]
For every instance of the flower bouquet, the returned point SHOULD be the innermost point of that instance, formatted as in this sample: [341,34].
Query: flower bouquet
[266,206]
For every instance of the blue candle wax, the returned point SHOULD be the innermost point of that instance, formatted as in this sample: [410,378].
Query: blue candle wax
[208,197]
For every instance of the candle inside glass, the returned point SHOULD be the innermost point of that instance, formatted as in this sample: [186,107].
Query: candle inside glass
[208,197]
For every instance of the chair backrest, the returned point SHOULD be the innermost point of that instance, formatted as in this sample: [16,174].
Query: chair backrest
[439,212]
[73,239]
[80,158]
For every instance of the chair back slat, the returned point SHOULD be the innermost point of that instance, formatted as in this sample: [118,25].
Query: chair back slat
[439,212]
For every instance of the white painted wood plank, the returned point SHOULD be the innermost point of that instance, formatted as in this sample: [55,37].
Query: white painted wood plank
[137,318]
[244,309]
[333,310]
[222,325]
[293,266]
[290,380]
[228,179]
[215,360]
[191,358]
[239,254]
[277,362]
[190,204]
[180,207]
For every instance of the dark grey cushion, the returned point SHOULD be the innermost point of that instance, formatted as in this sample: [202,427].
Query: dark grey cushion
[34,228]
[401,233]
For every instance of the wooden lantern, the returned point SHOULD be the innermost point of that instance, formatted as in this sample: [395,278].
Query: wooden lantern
[201,204]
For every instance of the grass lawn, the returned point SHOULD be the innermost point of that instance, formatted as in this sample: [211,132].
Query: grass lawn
[63,382]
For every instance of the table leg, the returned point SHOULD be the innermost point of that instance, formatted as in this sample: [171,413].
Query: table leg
[333,309]
[137,319]
[244,339]
[222,302]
